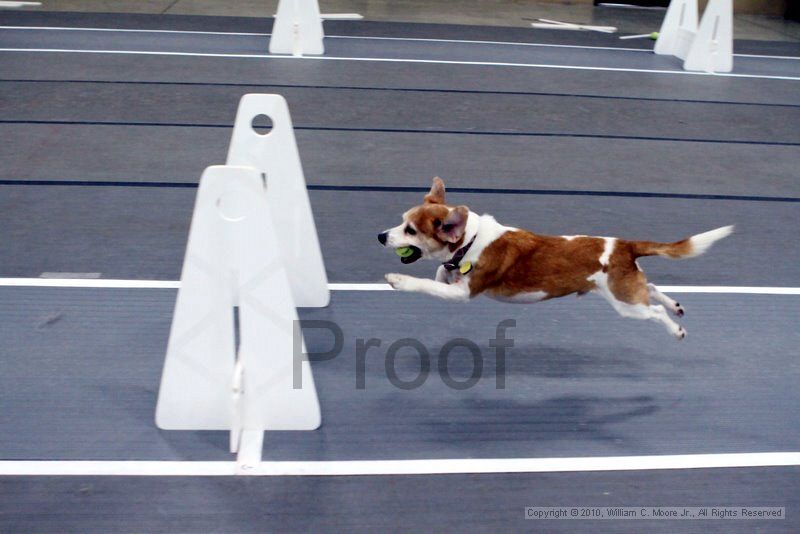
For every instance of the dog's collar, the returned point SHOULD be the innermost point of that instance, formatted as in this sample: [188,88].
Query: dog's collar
[454,263]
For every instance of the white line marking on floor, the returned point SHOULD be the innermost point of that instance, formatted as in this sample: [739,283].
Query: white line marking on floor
[376,38]
[766,57]
[360,287]
[70,275]
[751,290]
[400,467]
[89,283]
[9,4]
[398,60]
[174,284]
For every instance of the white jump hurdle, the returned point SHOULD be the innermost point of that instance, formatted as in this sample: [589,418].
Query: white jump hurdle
[276,157]
[705,47]
[240,283]
[298,28]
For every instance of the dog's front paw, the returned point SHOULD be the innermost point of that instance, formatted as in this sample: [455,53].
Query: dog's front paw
[399,281]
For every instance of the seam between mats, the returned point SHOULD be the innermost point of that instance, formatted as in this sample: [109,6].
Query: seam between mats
[409,90]
[416,131]
[415,189]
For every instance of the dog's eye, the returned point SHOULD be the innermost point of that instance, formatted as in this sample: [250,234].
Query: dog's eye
[447,227]
[437,223]
[410,231]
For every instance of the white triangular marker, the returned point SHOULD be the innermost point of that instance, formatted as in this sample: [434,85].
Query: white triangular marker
[276,156]
[712,48]
[297,29]
[705,47]
[234,258]
[678,29]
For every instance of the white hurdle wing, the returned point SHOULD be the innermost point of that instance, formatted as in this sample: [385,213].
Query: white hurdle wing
[275,155]
[234,264]
[712,48]
[297,29]
[678,29]
[705,47]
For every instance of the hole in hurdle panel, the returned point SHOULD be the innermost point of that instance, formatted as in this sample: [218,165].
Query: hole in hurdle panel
[264,179]
[716,29]
[683,12]
[232,206]
[262,124]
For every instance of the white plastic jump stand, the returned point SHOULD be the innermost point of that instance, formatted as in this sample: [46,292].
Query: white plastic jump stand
[276,157]
[712,50]
[298,27]
[234,286]
[707,47]
[678,29]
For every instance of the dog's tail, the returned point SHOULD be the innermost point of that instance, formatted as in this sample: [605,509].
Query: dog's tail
[686,248]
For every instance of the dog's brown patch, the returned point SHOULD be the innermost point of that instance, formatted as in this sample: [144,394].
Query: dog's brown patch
[523,262]
[442,224]
[625,281]
[676,250]
[427,218]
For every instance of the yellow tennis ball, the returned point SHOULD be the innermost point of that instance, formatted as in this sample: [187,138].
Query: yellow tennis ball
[404,252]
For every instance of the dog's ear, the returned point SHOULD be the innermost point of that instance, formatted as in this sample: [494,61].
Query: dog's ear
[453,226]
[436,194]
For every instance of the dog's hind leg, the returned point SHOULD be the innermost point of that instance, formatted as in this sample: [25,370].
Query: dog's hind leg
[658,313]
[628,292]
[669,303]
[654,312]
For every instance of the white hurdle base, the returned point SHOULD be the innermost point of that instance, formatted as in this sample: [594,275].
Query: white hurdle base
[705,47]
[251,444]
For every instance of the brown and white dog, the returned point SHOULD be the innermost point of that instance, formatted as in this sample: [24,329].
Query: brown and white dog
[481,256]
